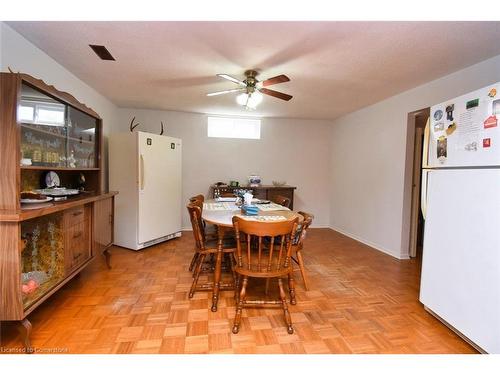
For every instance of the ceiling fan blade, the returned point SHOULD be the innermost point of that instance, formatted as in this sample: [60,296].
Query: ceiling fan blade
[232,79]
[276,94]
[275,80]
[224,92]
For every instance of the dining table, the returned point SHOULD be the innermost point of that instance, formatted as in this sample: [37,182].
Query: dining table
[220,212]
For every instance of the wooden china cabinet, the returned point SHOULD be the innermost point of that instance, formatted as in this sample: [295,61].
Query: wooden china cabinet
[46,135]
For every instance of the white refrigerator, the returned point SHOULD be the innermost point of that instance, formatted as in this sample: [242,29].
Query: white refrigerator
[146,170]
[460,282]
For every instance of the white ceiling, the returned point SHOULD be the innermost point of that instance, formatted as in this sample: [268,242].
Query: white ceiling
[334,67]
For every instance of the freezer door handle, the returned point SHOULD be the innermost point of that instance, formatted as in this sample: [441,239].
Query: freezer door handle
[425,151]
[423,192]
[142,172]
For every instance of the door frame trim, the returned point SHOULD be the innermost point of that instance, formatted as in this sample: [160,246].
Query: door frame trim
[408,180]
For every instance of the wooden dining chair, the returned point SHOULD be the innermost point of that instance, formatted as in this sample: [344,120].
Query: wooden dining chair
[298,244]
[204,247]
[260,259]
[198,200]
[199,197]
[282,201]
[210,230]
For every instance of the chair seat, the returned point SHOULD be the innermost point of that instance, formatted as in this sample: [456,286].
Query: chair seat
[263,275]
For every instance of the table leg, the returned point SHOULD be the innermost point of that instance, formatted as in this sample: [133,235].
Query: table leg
[218,267]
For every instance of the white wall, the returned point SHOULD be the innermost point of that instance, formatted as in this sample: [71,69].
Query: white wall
[350,175]
[296,151]
[21,55]
[368,197]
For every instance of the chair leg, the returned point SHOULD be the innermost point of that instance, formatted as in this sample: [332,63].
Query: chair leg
[302,269]
[237,284]
[288,318]
[196,275]
[236,277]
[233,267]
[193,261]
[291,288]
[239,307]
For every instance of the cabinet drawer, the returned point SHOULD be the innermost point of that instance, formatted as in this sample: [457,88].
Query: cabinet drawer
[77,245]
[76,234]
[79,256]
[74,216]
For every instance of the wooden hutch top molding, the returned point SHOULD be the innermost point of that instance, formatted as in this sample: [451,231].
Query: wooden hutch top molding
[61,95]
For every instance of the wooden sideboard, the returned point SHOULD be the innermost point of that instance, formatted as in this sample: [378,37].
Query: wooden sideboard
[43,246]
[268,192]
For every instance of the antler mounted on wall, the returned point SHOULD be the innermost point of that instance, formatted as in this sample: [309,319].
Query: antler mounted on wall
[132,125]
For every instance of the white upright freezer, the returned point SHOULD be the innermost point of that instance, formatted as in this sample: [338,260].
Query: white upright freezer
[146,169]
[460,282]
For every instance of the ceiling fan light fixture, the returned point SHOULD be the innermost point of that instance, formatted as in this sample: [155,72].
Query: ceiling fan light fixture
[253,89]
[242,98]
[250,101]
[255,99]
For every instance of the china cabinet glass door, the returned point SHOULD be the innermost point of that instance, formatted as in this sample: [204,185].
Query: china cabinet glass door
[54,134]
[42,256]
[81,139]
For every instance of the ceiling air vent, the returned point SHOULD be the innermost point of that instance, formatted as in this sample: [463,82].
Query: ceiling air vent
[102,52]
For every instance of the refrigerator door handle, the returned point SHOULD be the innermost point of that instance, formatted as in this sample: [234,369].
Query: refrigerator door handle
[142,172]
[425,151]
[423,192]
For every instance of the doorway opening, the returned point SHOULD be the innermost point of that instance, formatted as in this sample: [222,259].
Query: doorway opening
[416,127]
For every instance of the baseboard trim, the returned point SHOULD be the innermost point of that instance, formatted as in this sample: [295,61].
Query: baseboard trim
[369,243]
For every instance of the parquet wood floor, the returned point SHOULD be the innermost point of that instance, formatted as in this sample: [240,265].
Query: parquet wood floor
[360,301]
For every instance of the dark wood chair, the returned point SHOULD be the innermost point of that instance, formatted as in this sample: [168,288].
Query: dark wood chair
[204,247]
[197,200]
[257,258]
[298,244]
[281,200]
[210,230]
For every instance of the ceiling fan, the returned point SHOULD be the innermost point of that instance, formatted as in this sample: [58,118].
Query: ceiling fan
[251,88]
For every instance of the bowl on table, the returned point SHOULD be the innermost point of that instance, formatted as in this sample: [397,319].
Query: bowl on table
[279,183]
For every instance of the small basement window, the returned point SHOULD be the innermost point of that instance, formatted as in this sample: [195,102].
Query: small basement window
[229,127]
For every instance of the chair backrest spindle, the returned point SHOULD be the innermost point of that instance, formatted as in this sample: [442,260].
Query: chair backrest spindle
[261,255]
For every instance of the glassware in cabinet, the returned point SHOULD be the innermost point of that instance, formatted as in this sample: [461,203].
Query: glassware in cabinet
[82,133]
[43,129]
[54,134]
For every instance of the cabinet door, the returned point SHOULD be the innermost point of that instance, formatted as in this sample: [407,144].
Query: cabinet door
[103,225]
[260,193]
